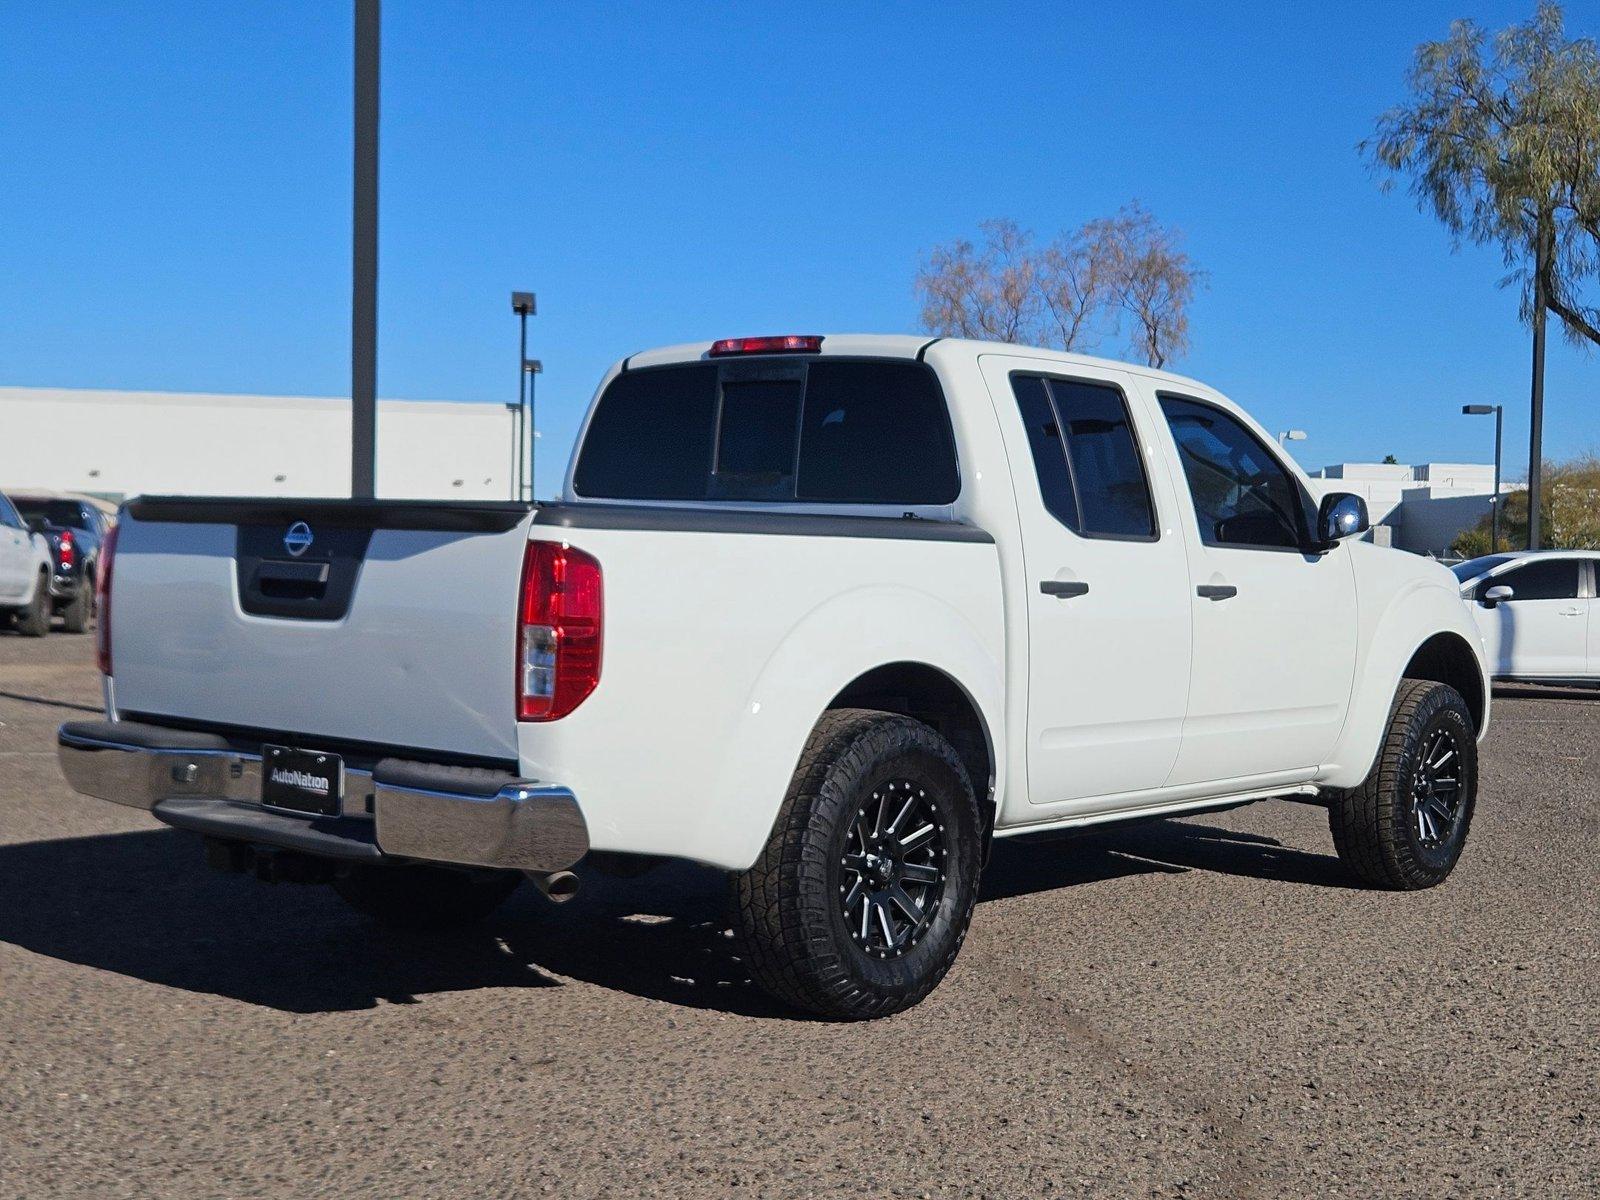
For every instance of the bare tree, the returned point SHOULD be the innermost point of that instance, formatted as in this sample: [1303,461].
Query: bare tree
[1152,280]
[1075,288]
[988,291]
[1068,294]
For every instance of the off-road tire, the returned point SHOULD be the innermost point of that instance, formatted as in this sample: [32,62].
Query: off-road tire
[34,620]
[789,919]
[424,897]
[75,616]
[1374,826]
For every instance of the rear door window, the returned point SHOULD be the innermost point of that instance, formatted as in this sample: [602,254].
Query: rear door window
[863,431]
[1087,458]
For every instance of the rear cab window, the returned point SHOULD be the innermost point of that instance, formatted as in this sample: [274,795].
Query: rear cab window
[781,429]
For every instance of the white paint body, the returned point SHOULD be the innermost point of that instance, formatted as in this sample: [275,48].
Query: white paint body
[1554,639]
[25,560]
[722,648]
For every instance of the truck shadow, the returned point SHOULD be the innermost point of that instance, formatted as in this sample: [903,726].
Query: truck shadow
[145,905]
[1535,691]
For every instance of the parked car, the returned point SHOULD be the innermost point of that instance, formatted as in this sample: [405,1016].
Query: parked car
[25,570]
[1537,613]
[74,529]
[828,613]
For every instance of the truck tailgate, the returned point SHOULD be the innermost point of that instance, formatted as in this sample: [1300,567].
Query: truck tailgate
[394,624]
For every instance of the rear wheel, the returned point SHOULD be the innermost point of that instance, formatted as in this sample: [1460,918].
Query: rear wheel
[423,897]
[34,620]
[75,616]
[1404,828]
[861,900]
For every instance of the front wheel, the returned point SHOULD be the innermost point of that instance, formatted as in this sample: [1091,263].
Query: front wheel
[1405,826]
[861,899]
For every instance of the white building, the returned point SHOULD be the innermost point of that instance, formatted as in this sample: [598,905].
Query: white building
[117,444]
[1421,508]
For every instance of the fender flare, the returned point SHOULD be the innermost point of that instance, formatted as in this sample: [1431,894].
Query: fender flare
[1415,617]
[835,644]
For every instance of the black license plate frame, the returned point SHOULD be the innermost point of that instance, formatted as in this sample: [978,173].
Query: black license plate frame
[307,782]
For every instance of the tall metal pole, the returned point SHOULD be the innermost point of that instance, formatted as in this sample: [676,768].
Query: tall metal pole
[530,370]
[364,259]
[1536,417]
[522,412]
[1494,505]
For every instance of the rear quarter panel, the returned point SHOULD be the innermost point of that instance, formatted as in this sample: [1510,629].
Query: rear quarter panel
[722,649]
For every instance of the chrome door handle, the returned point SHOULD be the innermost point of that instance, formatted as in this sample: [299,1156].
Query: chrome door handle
[1216,591]
[1063,589]
[1572,612]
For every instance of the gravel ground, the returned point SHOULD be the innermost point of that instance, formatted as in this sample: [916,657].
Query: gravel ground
[1185,1008]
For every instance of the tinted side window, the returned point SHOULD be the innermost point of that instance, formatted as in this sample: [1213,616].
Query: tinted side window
[1547,579]
[651,436]
[9,515]
[1090,472]
[1107,472]
[1243,496]
[1049,455]
[876,433]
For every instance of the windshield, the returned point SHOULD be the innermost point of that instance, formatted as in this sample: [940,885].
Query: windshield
[1474,567]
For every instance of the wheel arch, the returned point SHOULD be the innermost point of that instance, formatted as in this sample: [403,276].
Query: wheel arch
[1447,658]
[894,649]
[925,693]
[1426,634]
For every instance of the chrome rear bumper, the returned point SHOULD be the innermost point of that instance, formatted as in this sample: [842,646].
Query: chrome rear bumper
[398,808]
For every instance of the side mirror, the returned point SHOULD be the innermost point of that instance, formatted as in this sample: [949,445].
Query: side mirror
[1499,592]
[1341,515]
[37,525]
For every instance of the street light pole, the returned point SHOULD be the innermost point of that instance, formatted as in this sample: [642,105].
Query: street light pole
[525,305]
[1483,410]
[530,368]
[364,259]
[1290,435]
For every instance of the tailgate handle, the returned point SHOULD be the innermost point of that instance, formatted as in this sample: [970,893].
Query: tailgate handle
[292,580]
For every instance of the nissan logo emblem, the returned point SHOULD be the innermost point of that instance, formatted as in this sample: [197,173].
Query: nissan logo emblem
[298,540]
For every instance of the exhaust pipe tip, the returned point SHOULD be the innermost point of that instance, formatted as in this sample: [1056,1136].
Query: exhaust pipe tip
[557,886]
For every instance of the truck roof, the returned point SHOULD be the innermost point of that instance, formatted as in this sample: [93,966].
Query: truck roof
[903,345]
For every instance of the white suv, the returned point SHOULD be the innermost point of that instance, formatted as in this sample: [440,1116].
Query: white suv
[25,567]
[1537,613]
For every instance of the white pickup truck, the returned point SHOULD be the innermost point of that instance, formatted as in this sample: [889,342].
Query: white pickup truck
[829,613]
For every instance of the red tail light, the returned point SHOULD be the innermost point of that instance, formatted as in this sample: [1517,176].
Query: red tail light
[65,550]
[102,590]
[791,343]
[559,631]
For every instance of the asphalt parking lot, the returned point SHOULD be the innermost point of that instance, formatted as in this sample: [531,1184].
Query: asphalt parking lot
[1186,1008]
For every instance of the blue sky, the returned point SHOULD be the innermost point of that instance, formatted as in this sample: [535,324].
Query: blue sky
[177,199]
